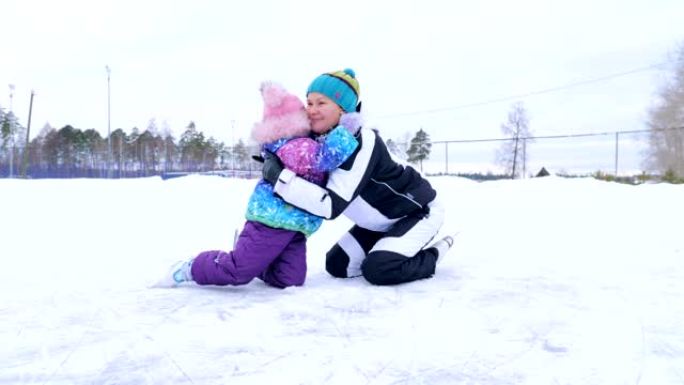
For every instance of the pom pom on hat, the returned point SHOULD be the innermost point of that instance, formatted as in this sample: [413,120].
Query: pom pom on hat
[340,86]
[284,115]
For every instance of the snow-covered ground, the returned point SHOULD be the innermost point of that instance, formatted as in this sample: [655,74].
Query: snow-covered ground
[551,281]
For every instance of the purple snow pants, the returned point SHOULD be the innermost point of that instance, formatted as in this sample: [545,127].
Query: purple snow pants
[276,256]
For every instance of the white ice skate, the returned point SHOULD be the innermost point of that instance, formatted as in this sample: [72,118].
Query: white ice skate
[176,275]
[443,246]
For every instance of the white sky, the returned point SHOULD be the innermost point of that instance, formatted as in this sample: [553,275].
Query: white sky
[178,61]
[577,282]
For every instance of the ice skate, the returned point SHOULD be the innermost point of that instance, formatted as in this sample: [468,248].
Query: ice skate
[443,246]
[176,275]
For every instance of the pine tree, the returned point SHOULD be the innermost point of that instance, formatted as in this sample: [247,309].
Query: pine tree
[5,129]
[419,149]
[241,153]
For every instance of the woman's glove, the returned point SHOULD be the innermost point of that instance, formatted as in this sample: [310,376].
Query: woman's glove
[351,121]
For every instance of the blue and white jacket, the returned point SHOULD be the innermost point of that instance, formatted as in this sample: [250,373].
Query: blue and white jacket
[311,159]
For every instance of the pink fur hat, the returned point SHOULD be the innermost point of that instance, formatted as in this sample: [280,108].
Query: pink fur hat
[284,115]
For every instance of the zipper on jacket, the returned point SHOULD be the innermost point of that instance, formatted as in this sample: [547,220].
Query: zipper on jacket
[398,193]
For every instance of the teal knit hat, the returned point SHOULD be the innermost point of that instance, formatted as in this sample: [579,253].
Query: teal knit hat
[340,86]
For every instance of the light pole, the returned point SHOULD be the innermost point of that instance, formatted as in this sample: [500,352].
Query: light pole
[11,87]
[24,163]
[109,126]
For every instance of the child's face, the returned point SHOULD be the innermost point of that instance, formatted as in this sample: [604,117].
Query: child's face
[323,113]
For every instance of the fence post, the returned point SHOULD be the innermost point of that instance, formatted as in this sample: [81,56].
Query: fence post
[11,160]
[524,158]
[617,134]
[446,162]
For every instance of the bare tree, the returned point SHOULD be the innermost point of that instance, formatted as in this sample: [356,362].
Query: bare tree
[665,153]
[399,146]
[513,153]
[404,143]
[394,149]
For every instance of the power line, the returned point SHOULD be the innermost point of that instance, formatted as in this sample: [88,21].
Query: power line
[532,93]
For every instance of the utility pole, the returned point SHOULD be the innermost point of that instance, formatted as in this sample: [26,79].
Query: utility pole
[24,165]
[109,126]
[515,153]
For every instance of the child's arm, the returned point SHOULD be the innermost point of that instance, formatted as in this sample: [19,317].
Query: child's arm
[339,144]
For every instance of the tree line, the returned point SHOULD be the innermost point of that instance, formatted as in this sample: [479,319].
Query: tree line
[70,152]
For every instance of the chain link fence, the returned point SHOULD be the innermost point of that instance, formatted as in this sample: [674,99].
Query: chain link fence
[618,153]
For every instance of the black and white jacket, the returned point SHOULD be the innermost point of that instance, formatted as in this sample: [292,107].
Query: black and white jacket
[371,188]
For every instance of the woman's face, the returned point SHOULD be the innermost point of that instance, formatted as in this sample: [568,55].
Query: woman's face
[323,113]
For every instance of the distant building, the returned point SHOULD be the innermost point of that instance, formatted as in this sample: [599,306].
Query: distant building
[543,172]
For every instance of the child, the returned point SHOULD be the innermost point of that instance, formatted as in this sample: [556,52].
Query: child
[272,244]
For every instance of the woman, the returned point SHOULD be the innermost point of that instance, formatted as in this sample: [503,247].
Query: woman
[395,210]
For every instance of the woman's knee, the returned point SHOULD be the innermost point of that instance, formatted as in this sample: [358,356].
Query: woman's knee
[336,262]
[373,271]
[381,268]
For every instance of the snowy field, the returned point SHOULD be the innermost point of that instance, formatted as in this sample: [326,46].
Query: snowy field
[551,281]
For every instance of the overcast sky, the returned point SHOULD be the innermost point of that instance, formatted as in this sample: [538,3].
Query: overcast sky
[420,63]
